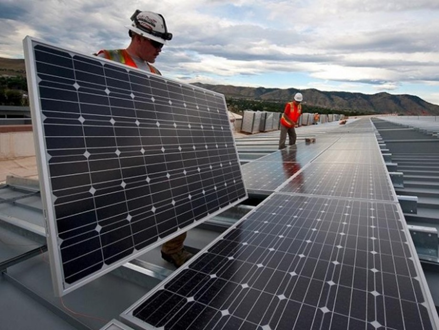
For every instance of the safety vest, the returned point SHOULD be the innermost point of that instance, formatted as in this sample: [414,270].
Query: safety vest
[122,56]
[291,114]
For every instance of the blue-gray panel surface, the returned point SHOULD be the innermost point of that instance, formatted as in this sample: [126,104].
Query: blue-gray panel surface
[328,250]
[126,158]
[364,181]
[299,262]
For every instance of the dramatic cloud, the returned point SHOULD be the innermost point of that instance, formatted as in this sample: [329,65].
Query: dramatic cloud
[347,45]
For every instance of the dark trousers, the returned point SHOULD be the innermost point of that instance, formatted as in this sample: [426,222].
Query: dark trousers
[174,245]
[283,136]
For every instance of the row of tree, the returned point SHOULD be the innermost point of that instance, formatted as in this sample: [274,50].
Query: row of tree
[12,90]
[238,105]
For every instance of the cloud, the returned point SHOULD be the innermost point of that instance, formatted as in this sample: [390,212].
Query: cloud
[387,6]
[10,10]
[371,44]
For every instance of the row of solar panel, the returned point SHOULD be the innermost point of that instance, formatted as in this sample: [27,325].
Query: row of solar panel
[327,250]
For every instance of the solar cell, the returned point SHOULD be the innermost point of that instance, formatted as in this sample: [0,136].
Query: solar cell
[365,141]
[366,181]
[329,249]
[264,177]
[299,262]
[266,174]
[126,159]
[355,156]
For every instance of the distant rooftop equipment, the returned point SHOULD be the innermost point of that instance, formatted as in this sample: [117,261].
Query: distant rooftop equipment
[251,121]
[306,119]
[323,118]
[268,122]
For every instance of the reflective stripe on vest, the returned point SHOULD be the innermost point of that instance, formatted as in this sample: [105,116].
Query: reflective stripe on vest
[122,56]
[284,120]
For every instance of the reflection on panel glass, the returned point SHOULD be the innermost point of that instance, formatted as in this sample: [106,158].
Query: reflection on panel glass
[366,181]
[299,262]
[266,176]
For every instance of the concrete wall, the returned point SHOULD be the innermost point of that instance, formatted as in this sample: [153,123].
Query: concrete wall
[16,142]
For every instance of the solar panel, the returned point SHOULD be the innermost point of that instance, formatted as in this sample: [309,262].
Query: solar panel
[127,159]
[305,259]
[357,156]
[264,175]
[364,181]
[353,143]
[267,174]
[299,262]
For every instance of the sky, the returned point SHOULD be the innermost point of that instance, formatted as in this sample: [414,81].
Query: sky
[339,45]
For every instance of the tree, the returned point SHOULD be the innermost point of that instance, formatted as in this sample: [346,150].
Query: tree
[3,98]
[14,97]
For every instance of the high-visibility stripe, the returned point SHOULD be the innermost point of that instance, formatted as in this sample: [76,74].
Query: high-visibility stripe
[296,111]
[153,69]
[285,122]
[122,56]
[127,58]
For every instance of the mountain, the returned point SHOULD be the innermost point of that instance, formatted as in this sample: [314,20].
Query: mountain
[375,103]
[12,67]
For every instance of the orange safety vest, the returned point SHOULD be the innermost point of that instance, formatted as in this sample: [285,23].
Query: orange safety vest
[291,114]
[122,56]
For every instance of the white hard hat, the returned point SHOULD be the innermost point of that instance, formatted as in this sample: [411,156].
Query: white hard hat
[298,97]
[150,25]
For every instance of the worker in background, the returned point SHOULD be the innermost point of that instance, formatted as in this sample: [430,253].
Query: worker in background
[316,118]
[289,119]
[148,33]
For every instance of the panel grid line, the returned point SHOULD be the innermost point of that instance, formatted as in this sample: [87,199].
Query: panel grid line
[128,159]
[335,257]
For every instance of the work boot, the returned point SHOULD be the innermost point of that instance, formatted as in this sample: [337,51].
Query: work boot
[178,258]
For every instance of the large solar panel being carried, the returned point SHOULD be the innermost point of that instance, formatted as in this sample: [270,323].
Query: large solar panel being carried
[127,159]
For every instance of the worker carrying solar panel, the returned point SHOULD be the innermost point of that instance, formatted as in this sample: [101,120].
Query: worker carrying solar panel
[149,33]
[289,119]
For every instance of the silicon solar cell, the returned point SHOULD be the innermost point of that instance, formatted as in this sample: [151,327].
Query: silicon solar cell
[126,158]
[264,175]
[299,262]
[312,255]
[355,156]
[364,181]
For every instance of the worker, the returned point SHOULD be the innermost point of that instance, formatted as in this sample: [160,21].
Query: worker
[148,33]
[289,120]
[316,118]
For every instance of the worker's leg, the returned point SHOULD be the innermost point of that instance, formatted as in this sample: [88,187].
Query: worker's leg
[174,252]
[283,136]
[292,135]
[175,244]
